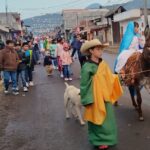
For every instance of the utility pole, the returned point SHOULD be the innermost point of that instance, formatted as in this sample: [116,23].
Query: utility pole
[6,9]
[145,12]
[7,23]
[77,23]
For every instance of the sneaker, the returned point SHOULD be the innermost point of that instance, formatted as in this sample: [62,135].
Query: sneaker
[17,88]
[70,79]
[61,75]
[31,83]
[66,79]
[27,84]
[39,62]
[6,91]
[25,89]
[15,93]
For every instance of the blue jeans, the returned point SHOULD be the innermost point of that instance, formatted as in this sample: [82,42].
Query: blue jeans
[54,62]
[66,71]
[10,75]
[70,70]
[36,55]
[22,74]
[29,76]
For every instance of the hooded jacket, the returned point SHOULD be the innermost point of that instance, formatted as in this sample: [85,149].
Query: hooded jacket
[8,59]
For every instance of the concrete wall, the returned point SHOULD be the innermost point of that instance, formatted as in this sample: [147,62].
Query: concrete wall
[72,18]
[134,13]
[140,20]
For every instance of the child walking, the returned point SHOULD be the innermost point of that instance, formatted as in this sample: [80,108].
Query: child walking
[53,54]
[66,62]
[22,66]
[31,63]
[100,89]
[48,63]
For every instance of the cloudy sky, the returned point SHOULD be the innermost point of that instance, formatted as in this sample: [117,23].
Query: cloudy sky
[30,8]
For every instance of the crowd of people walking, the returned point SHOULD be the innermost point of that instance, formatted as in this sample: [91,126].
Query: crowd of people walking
[99,87]
[17,60]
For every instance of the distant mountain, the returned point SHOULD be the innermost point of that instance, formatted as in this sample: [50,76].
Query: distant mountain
[136,4]
[94,6]
[44,23]
[128,5]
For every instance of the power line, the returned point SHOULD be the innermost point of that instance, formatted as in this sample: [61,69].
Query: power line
[54,6]
[112,2]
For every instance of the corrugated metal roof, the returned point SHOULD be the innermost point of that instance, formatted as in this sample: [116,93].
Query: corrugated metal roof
[113,11]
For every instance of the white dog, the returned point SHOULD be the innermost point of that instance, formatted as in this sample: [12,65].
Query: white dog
[72,99]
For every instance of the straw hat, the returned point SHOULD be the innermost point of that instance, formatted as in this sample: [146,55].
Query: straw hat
[89,44]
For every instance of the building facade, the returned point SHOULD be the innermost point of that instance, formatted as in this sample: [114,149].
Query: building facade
[136,15]
[78,19]
[11,24]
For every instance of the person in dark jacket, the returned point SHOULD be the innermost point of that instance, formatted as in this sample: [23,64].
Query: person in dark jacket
[36,53]
[22,66]
[30,65]
[48,64]
[76,45]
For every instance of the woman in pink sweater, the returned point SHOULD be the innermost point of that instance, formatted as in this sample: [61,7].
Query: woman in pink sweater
[66,61]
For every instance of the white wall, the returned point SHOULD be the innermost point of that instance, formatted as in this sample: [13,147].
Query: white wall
[134,13]
[139,20]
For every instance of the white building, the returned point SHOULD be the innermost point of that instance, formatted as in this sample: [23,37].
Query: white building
[136,15]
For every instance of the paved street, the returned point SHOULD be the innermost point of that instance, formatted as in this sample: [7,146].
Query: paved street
[36,121]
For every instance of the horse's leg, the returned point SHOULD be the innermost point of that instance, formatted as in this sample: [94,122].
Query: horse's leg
[132,94]
[139,101]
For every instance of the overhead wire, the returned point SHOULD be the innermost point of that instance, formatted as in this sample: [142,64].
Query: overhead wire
[73,3]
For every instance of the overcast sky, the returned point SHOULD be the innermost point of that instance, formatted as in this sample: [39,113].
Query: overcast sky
[30,8]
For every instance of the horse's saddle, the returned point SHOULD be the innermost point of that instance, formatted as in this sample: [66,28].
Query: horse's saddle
[131,70]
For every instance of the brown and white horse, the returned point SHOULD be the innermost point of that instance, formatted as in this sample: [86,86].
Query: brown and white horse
[137,74]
